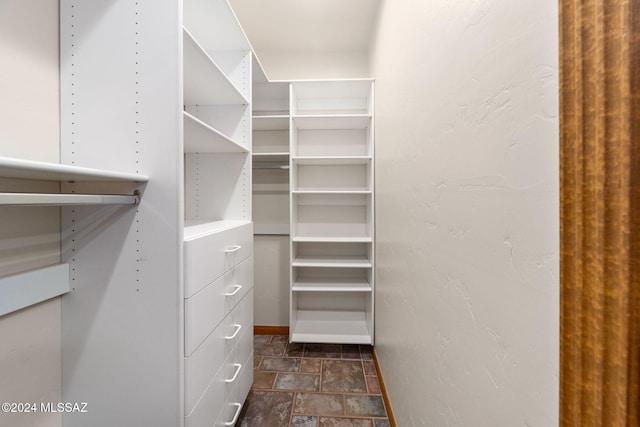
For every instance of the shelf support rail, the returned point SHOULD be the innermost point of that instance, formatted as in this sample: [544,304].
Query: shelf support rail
[25,289]
[268,166]
[60,199]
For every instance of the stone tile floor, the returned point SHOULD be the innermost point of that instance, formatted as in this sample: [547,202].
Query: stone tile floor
[312,385]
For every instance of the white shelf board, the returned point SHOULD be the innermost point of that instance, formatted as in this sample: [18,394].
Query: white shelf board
[29,169]
[204,82]
[25,289]
[271,229]
[333,88]
[271,157]
[341,122]
[331,160]
[316,284]
[215,23]
[332,261]
[196,229]
[339,327]
[270,188]
[59,199]
[199,137]
[332,239]
[332,191]
[271,122]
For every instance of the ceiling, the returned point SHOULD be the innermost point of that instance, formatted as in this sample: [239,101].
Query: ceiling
[336,26]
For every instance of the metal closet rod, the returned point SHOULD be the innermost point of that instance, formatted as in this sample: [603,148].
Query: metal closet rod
[60,199]
[261,166]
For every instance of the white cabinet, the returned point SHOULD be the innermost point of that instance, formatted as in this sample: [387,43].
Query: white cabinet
[332,212]
[157,325]
[218,234]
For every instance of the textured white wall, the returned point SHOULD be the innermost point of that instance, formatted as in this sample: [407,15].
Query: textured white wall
[467,211]
[271,280]
[30,349]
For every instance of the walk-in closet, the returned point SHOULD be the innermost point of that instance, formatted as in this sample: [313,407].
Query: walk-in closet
[272,213]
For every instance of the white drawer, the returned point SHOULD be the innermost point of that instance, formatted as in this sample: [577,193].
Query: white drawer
[212,405]
[206,309]
[217,351]
[238,395]
[240,322]
[209,256]
[238,283]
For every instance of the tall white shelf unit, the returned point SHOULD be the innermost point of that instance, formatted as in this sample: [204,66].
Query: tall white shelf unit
[157,324]
[332,211]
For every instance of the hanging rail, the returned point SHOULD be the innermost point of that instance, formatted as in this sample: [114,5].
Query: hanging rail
[265,166]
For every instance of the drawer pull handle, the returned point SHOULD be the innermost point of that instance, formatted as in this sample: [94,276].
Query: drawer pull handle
[233,249]
[235,374]
[235,333]
[235,417]
[235,291]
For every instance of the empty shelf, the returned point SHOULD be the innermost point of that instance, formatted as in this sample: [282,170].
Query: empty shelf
[275,122]
[330,326]
[271,229]
[349,121]
[199,137]
[333,239]
[332,261]
[28,169]
[331,160]
[331,284]
[57,199]
[204,82]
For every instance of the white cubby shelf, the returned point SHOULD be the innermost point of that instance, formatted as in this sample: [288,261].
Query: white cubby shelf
[199,137]
[332,326]
[331,239]
[270,122]
[205,83]
[319,284]
[332,122]
[345,261]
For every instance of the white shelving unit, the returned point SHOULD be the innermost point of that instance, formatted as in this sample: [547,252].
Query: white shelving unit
[270,156]
[332,212]
[160,90]
[218,232]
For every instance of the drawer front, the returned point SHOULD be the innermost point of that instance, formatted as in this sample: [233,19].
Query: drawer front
[243,345]
[202,313]
[238,395]
[206,309]
[231,378]
[240,321]
[229,343]
[210,405]
[203,365]
[209,257]
[238,283]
